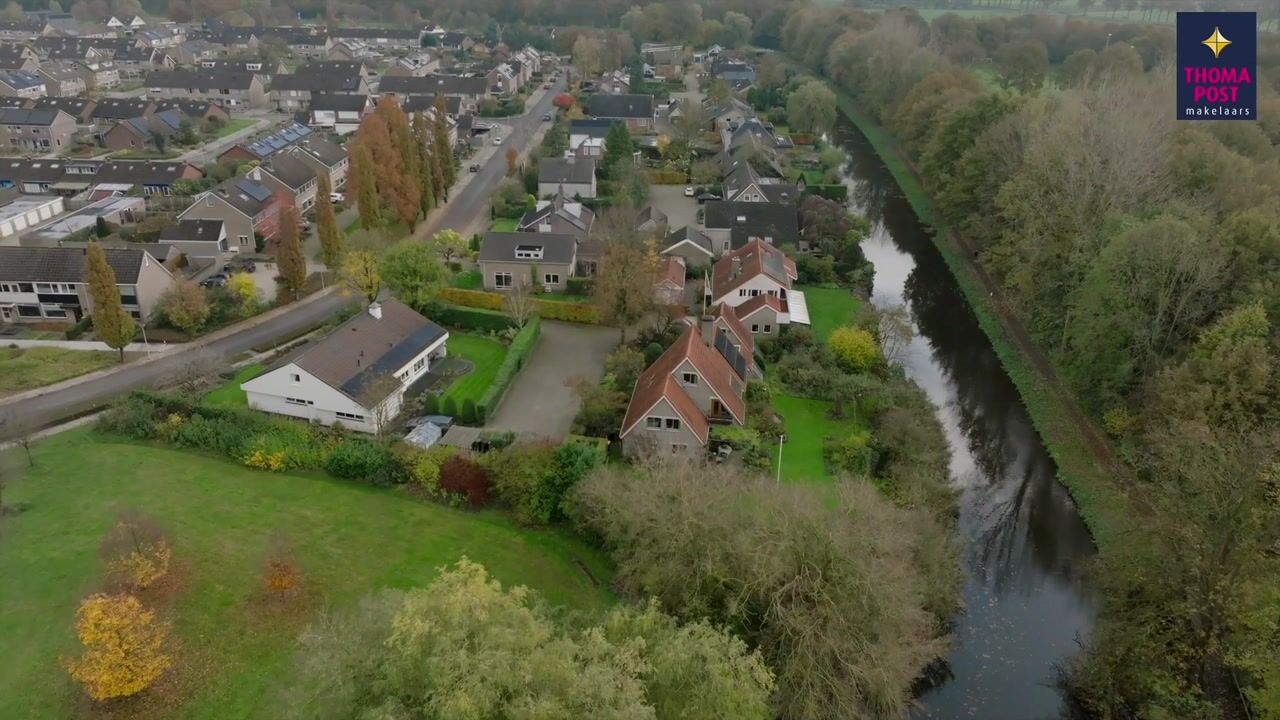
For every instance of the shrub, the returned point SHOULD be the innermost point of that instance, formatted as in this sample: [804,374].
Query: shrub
[460,476]
[449,406]
[535,479]
[1117,421]
[579,285]
[424,467]
[469,412]
[356,460]
[667,177]
[431,404]
[854,348]
[80,328]
[520,348]
[125,647]
[651,353]
[833,191]
[473,298]
[135,551]
[466,318]
[852,454]
[568,311]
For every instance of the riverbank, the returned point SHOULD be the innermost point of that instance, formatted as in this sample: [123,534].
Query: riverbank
[1086,465]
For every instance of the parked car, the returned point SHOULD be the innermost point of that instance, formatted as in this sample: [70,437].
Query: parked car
[546,86]
[236,266]
[497,139]
[336,197]
[214,280]
[546,117]
[688,191]
[475,167]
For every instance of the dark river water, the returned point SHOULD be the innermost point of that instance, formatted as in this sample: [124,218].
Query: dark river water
[1025,548]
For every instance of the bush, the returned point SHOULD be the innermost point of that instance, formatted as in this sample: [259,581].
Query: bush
[579,285]
[469,412]
[356,460]
[473,298]
[449,406]
[461,477]
[854,348]
[80,328]
[651,353]
[568,311]
[835,191]
[422,467]
[852,454]
[520,348]
[431,404]
[667,177]
[466,318]
[535,479]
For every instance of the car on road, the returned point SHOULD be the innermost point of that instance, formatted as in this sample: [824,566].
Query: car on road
[546,86]
[475,167]
[688,191]
[336,197]
[214,280]
[546,117]
[497,139]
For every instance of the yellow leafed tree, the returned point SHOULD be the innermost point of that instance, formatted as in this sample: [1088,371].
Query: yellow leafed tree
[124,647]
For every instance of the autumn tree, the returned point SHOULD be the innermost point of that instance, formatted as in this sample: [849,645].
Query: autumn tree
[327,226]
[124,647]
[366,187]
[361,271]
[428,167]
[811,107]
[185,306]
[289,257]
[449,244]
[623,287]
[242,289]
[135,551]
[111,323]
[443,151]
[397,170]
[513,158]
[413,272]
[281,576]
[854,348]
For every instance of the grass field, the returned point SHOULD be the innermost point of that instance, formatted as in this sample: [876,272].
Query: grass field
[349,539]
[504,225]
[230,394]
[829,308]
[231,127]
[807,427]
[468,280]
[485,354]
[26,368]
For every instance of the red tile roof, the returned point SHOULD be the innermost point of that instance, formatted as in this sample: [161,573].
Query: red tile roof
[755,258]
[730,320]
[759,302]
[658,382]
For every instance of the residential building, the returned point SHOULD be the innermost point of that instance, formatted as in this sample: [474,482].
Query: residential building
[24,30]
[651,222]
[80,108]
[18,57]
[264,70]
[267,145]
[236,91]
[756,280]
[558,215]
[98,73]
[36,130]
[22,213]
[118,210]
[137,62]
[546,259]
[691,244]
[427,103]
[669,289]
[291,93]
[286,173]
[62,79]
[161,37]
[22,83]
[575,177]
[404,38]
[109,110]
[456,41]
[339,113]
[200,112]
[42,284]
[358,374]
[325,157]
[131,22]
[587,137]
[417,65]
[468,89]
[637,111]
[197,239]
[744,184]
[734,224]
[150,177]
[753,130]
[248,209]
[689,388]
[194,52]
[149,132]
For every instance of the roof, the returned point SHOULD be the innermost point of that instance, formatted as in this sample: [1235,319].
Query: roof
[672,271]
[21,79]
[414,103]
[752,260]
[289,170]
[365,348]
[191,108]
[330,67]
[433,85]
[142,172]
[347,102]
[66,264]
[651,213]
[316,82]
[323,150]
[192,231]
[566,170]
[692,236]
[658,382]
[557,248]
[759,302]
[15,116]
[732,321]
[243,194]
[71,105]
[201,79]
[120,108]
[374,33]
[744,220]
[576,214]
[274,142]
[621,106]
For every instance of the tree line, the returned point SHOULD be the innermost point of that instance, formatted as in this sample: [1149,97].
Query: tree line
[1143,255]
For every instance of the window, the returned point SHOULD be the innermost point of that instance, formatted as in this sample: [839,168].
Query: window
[298,401]
[528,252]
[689,378]
[502,279]
[349,416]
[677,448]
[54,311]
[551,279]
[31,311]
[673,423]
[653,423]
[422,362]
[244,239]
[295,377]
[768,328]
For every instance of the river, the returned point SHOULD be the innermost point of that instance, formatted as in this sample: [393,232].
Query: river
[1025,549]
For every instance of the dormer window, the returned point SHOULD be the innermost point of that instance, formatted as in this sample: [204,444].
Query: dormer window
[528,252]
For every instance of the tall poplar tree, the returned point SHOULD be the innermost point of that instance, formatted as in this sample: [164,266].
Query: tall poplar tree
[327,226]
[293,264]
[443,151]
[111,323]
[426,162]
[367,201]
[402,167]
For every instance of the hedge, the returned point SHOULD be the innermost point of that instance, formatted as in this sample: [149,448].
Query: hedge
[468,318]
[472,298]
[548,309]
[520,348]
[579,285]
[667,177]
[838,192]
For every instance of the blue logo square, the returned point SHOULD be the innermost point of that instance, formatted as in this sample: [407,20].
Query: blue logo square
[1217,66]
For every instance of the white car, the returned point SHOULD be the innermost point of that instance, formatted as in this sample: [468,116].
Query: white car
[497,139]
[336,197]
[688,191]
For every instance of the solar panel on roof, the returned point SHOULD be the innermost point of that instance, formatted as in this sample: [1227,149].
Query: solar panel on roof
[258,192]
[731,354]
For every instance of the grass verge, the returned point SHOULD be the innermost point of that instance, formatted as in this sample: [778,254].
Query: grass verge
[504,225]
[233,126]
[27,368]
[229,393]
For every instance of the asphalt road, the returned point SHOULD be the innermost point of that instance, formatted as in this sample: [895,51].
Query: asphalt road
[465,207]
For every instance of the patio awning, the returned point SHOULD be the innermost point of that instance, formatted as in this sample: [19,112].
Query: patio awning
[798,307]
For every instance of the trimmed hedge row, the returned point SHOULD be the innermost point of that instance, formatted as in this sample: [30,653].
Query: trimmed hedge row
[839,192]
[519,350]
[548,309]
[472,298]
[469,318]
[667,177]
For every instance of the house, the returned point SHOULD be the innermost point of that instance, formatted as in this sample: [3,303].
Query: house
[269,144]
[79,108]
[690,244]
[403,38]
[264,70]
[456,41]
[248,208]
[18,57]
[508,259]
[36,130]
[76,225]
[19,213]
[161,37]
[416,65]
[669,289]
[575,177]
[136,62]
[194,52]
[304,41]
[651,221]
[739,75]
[667,59]
[734,224]
[127,21]
[325,157]
[676,400]
[62,79]
[635,110]
[109,110]
[358,374]
[468,89]
[40,284]
[558,215]
[756,280]
[753,130]
[197,239]
[235,40]
[22,83]
[149,132]
[234,90]
[291,93]
[98,73]
[744,184]
[340,113]
[427,103]
[587,137]
[201,112]
[23,30]
[150,177]
[286,173]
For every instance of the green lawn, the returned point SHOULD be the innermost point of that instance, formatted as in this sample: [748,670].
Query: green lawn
[829,308]
[485,354]
[468,280]
[504,225]
[564,297]
[231,127]
[26,368]
[348,539]
[807,425]
[230,394]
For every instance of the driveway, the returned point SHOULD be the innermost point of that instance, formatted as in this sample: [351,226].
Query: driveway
[680,210]
[540,402]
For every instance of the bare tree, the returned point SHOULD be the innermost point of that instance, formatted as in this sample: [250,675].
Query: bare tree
[20,433]
[895,332]
[519,302]
[375,397]
[196,368]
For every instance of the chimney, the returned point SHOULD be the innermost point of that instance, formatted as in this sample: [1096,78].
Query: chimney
[707,326]
[375,309]
[735,267]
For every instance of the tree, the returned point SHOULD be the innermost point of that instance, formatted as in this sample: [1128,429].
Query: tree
[361,271]
[587,55]
[185,306]
[442,150]
[289,257]
[564,101]
[414,273]
[854,348]
[428,166]
[719,92]
[281,576]
[737,28]
[1023,65]
[894,332]
[135,551]
[518,301]
[242,289]
[327,226]
[366,187]
[693,121]
[623,286]
[513,158]
[111,323]
[124,647]
[771,72]
[449,244]
[811,108]
[618,149]
[186,134]
[101,228]
[13,13]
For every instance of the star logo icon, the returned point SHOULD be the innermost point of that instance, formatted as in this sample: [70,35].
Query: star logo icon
[1216,42]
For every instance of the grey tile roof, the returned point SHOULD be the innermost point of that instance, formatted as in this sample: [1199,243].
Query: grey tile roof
[414,103]
[330,67]
[142,172]
[335,102]
[21,79]
[433,85]
[321,149]
[244,195]
[779,221]
[578,171]
[621,106]
[192,231]
[692,235]
[120,108]
[43,118]
[289,170]
[202,79]
[65,264]
[557,248]
[591,128]
[316,82]
[375,33]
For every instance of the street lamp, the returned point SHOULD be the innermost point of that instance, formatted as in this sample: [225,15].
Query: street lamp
[1104,47]
[780,437]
